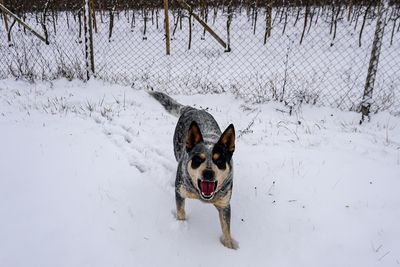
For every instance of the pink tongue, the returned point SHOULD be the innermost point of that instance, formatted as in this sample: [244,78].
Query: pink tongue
[207,188]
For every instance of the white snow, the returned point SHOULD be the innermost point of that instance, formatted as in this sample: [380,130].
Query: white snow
[87,173]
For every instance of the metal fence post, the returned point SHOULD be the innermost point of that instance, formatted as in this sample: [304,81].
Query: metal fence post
[91,15]
[166,23]
[89,54]
[374,60]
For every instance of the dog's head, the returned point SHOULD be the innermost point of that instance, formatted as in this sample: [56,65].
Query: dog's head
[209,166]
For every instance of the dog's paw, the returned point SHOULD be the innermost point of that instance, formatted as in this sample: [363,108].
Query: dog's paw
[180,216]
[229,243]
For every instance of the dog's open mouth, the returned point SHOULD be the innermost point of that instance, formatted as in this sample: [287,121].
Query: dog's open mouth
[207,189]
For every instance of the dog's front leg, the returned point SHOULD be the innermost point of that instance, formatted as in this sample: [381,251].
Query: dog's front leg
[180,206]
[225,220]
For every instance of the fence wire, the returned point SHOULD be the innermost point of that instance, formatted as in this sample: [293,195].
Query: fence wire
[314,52]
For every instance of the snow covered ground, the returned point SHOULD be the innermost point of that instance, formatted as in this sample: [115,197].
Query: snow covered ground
[87,172]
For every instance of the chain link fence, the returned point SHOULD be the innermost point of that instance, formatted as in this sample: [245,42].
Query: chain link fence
[315,52]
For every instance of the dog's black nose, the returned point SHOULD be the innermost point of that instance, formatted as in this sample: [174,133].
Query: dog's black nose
[208,175]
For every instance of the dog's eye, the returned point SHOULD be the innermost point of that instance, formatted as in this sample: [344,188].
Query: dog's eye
[220,164]
[196,162]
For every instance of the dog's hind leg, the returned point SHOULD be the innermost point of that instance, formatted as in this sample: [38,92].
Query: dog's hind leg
[180,206]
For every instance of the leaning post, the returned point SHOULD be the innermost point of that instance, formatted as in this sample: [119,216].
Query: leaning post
[6,24]
[204,24]
[374,60]
[21,22]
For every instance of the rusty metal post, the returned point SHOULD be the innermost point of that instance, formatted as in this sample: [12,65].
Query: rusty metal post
[166,24]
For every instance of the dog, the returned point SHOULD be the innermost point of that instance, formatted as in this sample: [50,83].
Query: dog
[205,165]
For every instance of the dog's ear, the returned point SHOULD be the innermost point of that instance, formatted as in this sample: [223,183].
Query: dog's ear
[227,139]
[194,136]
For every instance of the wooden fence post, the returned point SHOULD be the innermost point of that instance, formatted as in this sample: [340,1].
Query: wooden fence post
[93,11]
[21,22]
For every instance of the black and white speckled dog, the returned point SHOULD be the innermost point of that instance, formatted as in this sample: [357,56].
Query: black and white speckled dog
[204,155]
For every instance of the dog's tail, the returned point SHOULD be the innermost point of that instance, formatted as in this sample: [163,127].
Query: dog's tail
[168,103]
